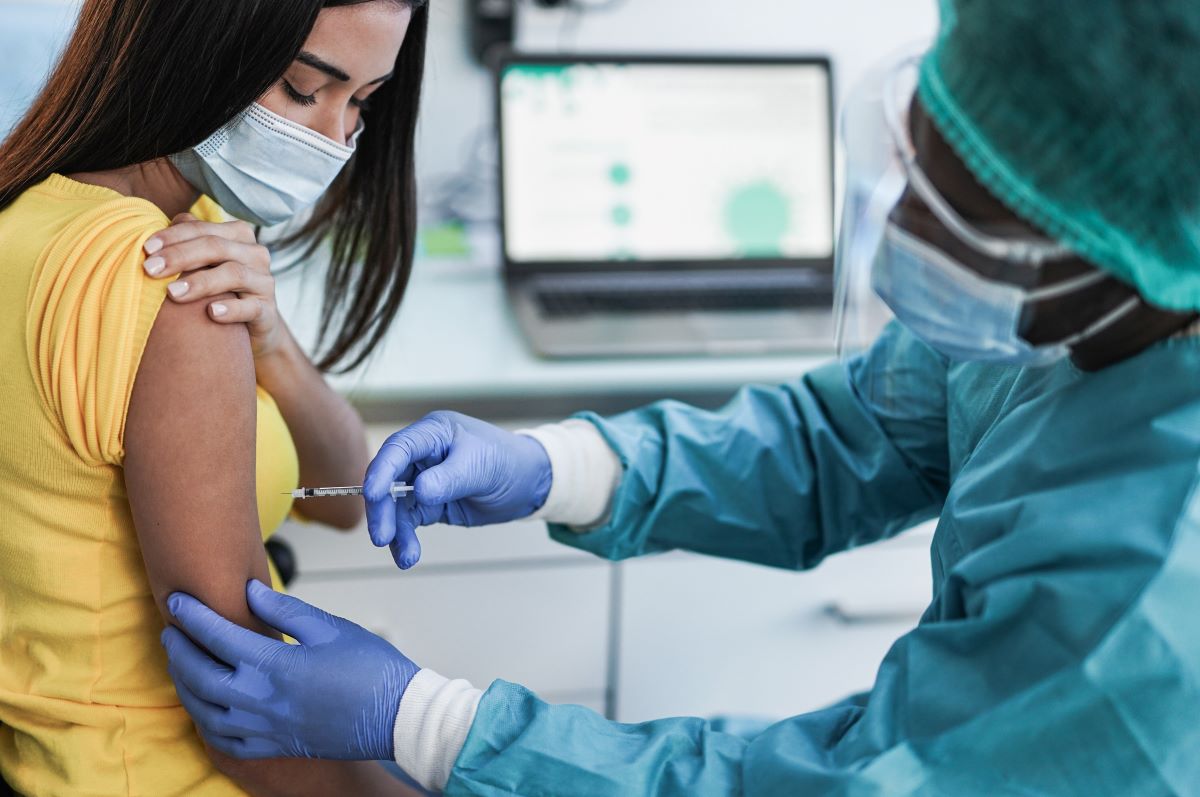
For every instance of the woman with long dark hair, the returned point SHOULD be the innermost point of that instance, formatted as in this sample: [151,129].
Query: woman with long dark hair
[155,406]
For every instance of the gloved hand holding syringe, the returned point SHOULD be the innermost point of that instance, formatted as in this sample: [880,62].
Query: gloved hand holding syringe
[398,489]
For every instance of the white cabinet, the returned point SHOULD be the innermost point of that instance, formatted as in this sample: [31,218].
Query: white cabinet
[705,637]
[544,627]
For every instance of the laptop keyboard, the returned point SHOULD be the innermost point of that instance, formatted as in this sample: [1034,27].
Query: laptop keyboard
[562,299]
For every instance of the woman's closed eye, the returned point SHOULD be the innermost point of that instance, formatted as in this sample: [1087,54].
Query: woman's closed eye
[307,100]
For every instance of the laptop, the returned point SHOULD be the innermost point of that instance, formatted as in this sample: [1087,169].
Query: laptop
[667,205]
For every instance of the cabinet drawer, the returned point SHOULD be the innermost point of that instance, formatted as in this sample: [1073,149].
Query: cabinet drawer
[542,627]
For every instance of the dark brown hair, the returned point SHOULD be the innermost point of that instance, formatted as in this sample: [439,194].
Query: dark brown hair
[143,79]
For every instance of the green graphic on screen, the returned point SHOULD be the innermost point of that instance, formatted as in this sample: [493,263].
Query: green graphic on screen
[535,72]
[757,218]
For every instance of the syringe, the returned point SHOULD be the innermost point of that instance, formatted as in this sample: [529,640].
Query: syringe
[300,493]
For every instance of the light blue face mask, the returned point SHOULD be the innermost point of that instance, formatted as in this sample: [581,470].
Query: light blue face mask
[263,168]
[963,315]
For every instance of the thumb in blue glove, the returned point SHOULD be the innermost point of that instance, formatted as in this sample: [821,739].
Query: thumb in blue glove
[464,472]
[335,695]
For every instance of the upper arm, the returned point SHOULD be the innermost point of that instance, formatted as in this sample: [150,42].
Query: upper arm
[190,461]
[190,475]
[155,388]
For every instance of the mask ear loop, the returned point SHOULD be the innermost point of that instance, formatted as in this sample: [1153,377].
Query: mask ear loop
[1032,251]
[1104,322]
[1075,285]
[352,142]
[1067,286]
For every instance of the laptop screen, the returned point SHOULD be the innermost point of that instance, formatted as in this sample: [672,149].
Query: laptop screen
[668,161]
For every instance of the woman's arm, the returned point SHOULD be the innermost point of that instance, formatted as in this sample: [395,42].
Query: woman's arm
[330,440]
[215,258]
[189,472]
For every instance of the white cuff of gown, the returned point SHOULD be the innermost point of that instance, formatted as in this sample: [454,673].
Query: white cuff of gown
[586,474]
[431,726]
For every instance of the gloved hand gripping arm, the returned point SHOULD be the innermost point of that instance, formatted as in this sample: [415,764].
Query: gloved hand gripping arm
[257,699]
[342,693]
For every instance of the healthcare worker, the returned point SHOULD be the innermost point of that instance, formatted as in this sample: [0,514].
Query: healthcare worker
[1035,228]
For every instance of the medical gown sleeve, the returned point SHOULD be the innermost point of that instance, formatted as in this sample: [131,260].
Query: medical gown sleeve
[784,475]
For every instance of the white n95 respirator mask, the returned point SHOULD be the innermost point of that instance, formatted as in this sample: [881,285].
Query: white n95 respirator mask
[263,168]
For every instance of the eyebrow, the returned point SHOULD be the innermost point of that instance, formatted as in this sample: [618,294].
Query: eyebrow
[316,62]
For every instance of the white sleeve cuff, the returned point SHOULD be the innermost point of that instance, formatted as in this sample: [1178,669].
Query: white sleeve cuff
[431,726]
[586,474]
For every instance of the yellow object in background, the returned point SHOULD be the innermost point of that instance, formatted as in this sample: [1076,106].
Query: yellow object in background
[86,705]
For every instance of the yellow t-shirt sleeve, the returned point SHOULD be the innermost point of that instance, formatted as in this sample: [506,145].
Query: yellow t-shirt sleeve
[91,309]
[207,210]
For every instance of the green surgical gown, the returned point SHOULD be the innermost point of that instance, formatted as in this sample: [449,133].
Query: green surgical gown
[1060,654]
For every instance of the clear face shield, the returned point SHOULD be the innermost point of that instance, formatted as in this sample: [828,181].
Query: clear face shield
[886,269]
[873,182]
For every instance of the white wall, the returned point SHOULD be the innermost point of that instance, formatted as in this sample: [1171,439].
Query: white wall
[855,33]
[457,97]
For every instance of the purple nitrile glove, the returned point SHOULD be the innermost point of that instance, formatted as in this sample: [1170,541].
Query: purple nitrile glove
[464,472]
[335,695]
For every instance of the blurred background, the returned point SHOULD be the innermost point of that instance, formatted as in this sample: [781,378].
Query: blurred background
[667,635]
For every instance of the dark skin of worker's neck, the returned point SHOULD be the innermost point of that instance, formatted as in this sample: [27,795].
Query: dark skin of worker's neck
[1051,319]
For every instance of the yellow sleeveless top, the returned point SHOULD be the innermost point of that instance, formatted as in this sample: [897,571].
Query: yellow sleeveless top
[86,705]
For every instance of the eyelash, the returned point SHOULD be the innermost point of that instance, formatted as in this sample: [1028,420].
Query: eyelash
[309,100]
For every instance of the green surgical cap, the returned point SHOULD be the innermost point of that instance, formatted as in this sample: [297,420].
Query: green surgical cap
[1083,116]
